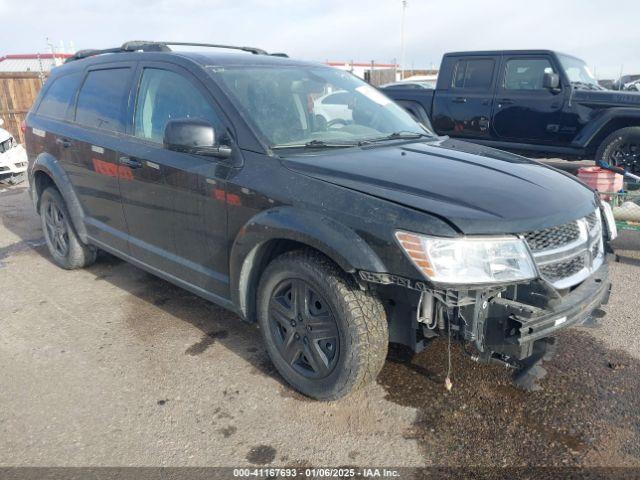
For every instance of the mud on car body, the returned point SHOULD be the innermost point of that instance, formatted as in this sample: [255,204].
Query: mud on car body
[337,236]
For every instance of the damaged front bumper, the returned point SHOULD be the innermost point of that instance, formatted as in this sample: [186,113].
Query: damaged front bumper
[513,326]
[506,323]
[13,161]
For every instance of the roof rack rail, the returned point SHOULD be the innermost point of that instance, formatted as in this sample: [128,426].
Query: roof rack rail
[156,46]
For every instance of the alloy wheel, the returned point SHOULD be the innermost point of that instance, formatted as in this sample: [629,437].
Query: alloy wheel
[56,229]
[626,155]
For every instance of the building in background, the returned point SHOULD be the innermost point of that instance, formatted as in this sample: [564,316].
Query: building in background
[383,73]
[32,62]
[21,77]
[372,72]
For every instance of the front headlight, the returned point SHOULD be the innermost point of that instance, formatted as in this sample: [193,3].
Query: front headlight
[469,260]
[609,220]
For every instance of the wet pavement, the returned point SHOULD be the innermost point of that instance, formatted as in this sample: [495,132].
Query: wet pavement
[112,366]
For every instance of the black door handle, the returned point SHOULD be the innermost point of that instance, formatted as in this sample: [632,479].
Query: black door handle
[65,142]
[505,101]
[460,100]
[130,162]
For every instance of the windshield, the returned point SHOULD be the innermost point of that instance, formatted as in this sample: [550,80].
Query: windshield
[578,72]
[315,106]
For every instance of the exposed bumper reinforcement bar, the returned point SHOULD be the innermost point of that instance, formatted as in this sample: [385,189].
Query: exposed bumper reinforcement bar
[572,309]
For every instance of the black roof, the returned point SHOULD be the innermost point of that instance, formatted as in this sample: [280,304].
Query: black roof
[506,52]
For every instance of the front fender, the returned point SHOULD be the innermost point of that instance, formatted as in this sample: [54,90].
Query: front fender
[337,241]
[49,165]
[590,132]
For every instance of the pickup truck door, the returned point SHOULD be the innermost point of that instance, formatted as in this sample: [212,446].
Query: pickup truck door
[174,202]
[463,108]
[525,111]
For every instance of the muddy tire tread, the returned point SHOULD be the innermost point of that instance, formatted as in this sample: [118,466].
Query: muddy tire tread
[367,319]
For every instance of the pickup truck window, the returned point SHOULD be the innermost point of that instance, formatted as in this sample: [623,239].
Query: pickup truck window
[526,73]
[166,95]
[473,74]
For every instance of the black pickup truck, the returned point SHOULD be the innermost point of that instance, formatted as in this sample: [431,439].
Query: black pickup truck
[537,102]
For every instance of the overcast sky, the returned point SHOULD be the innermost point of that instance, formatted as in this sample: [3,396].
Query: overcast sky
[604,33]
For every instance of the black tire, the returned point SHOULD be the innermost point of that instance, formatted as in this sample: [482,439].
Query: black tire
[66,249]
[360,337]
[622,149]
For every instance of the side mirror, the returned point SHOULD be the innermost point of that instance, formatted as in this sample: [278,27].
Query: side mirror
[193,136]
[551,81]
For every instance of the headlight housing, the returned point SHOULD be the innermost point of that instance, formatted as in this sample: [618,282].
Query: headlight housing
[469,260]
[609,221]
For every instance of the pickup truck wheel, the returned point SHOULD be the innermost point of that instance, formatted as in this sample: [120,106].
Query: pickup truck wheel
[325,336]
[622,149]
[66,249]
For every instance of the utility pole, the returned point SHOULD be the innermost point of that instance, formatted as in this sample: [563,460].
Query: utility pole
[404,8]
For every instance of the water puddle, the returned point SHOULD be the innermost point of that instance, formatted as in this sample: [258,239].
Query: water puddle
[586,414]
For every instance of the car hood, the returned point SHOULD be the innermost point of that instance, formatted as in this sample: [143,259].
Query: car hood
[477,189]
[609,98]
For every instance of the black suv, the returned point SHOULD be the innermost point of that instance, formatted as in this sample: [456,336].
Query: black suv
[338,229]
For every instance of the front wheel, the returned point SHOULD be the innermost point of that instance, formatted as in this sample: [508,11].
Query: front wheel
[622,149]
[325,336]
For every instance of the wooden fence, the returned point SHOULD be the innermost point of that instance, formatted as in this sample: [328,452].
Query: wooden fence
[18,90]
[380,76]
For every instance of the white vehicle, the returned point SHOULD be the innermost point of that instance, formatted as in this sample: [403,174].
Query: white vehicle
[417,84]
[334,107]
[13,157]
[633,86]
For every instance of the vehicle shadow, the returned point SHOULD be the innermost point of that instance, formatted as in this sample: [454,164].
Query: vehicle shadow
[148,294]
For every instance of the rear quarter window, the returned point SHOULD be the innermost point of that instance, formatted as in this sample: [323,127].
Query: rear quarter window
[102,101]
[59,96]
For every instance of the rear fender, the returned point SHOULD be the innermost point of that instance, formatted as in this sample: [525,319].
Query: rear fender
[251,250]
[49,165]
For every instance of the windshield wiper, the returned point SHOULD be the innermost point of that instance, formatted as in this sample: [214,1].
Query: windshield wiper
[405,135]
[315,144]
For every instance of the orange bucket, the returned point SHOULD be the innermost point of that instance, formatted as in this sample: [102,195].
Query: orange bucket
[601,180]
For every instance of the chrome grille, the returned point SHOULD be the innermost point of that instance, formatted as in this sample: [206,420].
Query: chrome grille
[552,237]
[559,270]
[567,254]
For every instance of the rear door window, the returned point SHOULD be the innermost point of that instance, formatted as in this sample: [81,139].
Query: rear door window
[59,96]
[474,74]
[102,101]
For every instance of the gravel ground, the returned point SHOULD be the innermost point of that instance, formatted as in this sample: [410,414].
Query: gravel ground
[112,366]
